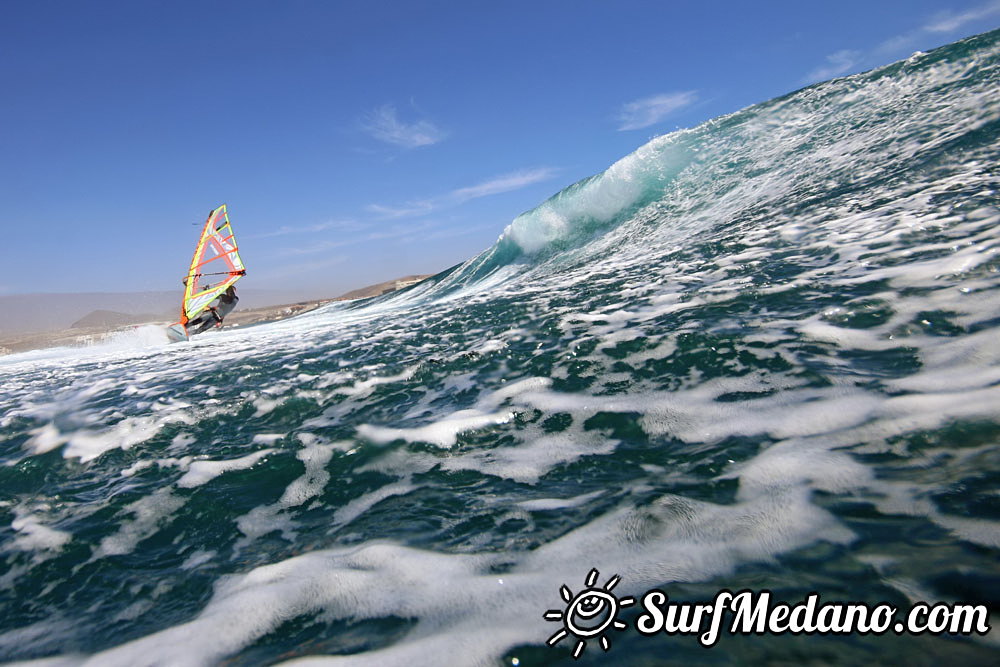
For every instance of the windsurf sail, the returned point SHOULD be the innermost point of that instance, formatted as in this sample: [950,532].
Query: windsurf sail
[215,267]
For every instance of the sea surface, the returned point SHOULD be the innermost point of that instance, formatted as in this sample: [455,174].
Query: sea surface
[762,354]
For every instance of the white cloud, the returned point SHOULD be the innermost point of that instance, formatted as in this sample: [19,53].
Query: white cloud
[299,268]
[364,233]
[338,225]
[507,183]
[384,124]
[651,110]
[316,248]
[494,186]
[941,23]
[393,232]
[390,212]
[837,63]
[452,232]
[949,22]
[899,43]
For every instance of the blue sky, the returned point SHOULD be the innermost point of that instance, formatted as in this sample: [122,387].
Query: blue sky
[356,142]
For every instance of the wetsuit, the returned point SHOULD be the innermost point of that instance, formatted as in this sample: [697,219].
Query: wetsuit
[226,304]
[213,315]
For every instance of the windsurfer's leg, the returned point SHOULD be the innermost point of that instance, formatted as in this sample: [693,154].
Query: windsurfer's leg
[200,324]
[204,322]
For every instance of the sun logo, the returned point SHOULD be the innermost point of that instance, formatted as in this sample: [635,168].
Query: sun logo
[588,614]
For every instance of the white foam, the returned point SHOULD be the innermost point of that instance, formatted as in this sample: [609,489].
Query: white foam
[315,456]
[549,504]
[366,387]
[358,506]
[134,610]
[136,467]
[148,513]
[88,445]
[529,461]
[442,432]
[267,438]
[197,559]
[489,346]
[45,439]
[202,472]
[33,535]
[800,462]
[36,636]
[983,532]
[264,519]
[462,607]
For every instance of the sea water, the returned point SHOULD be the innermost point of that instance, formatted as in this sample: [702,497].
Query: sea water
[760,354]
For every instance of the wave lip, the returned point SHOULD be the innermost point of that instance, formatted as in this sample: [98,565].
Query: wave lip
[600,202]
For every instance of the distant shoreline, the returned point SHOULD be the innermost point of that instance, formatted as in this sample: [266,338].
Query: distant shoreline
[95,335]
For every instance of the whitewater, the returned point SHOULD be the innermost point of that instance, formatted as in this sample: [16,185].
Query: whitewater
[762,353]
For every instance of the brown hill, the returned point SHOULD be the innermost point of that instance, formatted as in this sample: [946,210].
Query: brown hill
[382,288]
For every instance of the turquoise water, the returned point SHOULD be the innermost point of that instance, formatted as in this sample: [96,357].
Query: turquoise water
[762,353]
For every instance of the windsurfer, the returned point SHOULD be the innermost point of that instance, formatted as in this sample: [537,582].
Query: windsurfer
[227,302]
[216,254]
[213,315]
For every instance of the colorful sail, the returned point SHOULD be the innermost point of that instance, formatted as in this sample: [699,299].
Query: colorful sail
[216,265]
